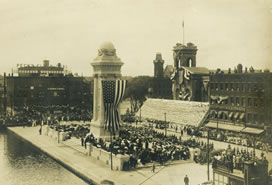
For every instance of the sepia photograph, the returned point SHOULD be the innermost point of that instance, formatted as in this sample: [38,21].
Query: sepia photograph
[146,92]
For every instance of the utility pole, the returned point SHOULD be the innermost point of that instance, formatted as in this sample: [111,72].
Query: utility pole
[140,114]
[208,154]
[165,124]
[217,119]
[183,30]
[5,96]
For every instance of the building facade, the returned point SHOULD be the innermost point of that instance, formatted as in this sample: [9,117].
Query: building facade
[241,98]
[47,86]
[189,83]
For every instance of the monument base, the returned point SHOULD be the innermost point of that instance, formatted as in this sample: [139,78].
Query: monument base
[98,131]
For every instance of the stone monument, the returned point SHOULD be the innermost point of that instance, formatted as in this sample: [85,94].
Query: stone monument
[106,66]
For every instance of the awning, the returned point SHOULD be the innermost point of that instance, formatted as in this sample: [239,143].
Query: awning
[230,115]
[220,113]
[242,116]
[223,126]
[236,115]
[252,130]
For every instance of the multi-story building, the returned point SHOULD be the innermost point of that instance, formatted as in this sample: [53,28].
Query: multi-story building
[189,83]
[41,70]
[241,99]
[44,86]
[161,83]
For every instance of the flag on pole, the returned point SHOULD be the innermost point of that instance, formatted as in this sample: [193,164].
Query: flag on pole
[113,92]
[183,31]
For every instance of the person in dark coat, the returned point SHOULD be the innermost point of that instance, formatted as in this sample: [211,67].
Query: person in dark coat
[186,180]
[40,130]
[82,141]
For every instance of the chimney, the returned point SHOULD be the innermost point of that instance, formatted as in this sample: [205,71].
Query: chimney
[239,68]
[46,63]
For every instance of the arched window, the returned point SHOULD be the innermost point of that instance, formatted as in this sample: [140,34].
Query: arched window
[189,62]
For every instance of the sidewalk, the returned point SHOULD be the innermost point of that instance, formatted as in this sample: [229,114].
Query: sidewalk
[71,155]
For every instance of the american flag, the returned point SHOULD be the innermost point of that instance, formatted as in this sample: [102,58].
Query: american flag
[113,92]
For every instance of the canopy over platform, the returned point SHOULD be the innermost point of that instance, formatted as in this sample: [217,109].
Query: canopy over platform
[252,130]
[235,128]
[223,126]
[178,112]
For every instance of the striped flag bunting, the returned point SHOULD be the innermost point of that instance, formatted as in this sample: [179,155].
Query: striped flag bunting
[187,74]
[113,92]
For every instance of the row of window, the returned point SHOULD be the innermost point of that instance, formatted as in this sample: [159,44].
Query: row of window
[42,71]
[241,101]
[246,87]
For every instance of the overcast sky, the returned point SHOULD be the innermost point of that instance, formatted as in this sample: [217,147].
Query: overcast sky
[227,32]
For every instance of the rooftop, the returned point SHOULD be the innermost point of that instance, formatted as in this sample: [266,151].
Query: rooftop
[197,70]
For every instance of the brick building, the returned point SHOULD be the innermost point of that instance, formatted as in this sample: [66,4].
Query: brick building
[44,86]
[241,99]
[189,83]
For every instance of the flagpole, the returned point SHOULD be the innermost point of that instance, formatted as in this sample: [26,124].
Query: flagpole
[183,30]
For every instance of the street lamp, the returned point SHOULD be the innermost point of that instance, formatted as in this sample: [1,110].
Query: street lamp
[165,124]
[208,153]
[140,114]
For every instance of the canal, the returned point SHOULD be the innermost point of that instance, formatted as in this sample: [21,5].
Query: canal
[23,164]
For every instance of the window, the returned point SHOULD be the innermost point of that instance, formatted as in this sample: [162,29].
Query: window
[261,102]
[231,87]
[249,87]
[227,86]
[212,86]
[242,101]
[256,102]
[249,102]
[216,87]
[262,118]
[232,100]
[244,87]
[249,118]
[237,101]
[255,118]
[221,86]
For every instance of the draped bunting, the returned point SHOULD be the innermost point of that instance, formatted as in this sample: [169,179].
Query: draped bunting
[187,74]
[113,92]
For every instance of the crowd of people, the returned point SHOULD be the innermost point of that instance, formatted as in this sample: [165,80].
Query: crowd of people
[145,145]
[262,142]
[233,158]
[28,116]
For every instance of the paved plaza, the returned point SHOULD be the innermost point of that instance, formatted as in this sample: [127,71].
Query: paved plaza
[73,157]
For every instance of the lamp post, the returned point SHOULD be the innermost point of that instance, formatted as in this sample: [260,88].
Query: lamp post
[140,114]
[165,124]
[217,110]
[208,154]
[58,130]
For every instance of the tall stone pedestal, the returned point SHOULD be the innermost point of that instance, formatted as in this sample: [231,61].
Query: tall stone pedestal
[106,66]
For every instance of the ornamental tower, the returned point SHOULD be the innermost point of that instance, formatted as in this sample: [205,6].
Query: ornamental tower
[106,66]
